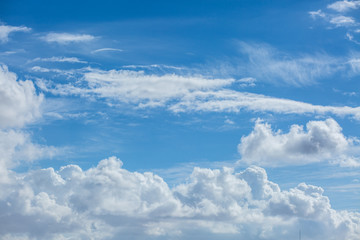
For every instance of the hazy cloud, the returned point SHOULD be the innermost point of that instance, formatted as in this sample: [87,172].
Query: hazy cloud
[5,30]
[268,64]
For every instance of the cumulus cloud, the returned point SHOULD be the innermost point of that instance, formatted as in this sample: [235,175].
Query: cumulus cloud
[20,104]
[109,202]
[322,140]
[5,30]
[16,147]
[65,38]
[344,6]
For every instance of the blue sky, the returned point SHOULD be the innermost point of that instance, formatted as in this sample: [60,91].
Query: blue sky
[193,119]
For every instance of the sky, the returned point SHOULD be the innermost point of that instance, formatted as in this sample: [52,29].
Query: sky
[180,119]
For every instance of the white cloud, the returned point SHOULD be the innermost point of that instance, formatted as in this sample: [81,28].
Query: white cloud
[137,87]
[107,50]
[344,6]
[5,30]
[268,64]
[247,82]
[65,38]
[317,13]
[109,202]
[342,21]
[19,103]
[180,93]
[233,101]
[322,140]
[59,59]
[16,147]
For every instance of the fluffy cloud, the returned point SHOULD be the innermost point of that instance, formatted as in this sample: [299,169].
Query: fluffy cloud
[322,140]
[65,38]
[109,202]
[5,30]
[344,6]
[16,146]
[20,104]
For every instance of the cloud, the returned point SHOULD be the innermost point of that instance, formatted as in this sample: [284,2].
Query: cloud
[318,13]
[341,21]
[19,104]
[59,59]
[344,6]
[234,101]
[107,50]
[268,64]
[180,93]
[109,202]
[65,38]
[5,30]
[16,147]
[138,87]
[322,140]
[247,82]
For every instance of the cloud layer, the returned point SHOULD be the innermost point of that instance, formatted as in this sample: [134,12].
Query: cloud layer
[321,140]
[109,202]
[178,93]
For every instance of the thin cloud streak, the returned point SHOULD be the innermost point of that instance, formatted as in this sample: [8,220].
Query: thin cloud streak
[66,38]
[107,50]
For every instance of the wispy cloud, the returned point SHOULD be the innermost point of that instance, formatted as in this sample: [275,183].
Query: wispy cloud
[266,63]
[59,59]
[341,21]
[65,38]
[179,93]
[107,50]
[5,30]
